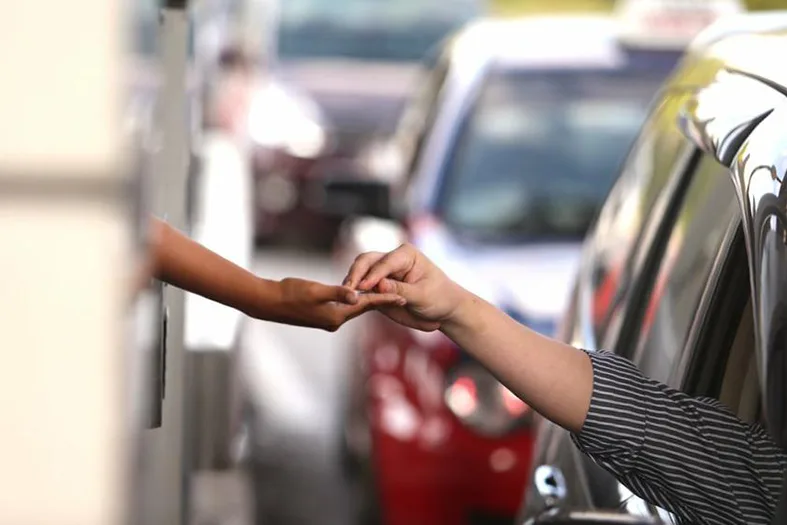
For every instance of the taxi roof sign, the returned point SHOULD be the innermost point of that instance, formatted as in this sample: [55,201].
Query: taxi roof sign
[670,23]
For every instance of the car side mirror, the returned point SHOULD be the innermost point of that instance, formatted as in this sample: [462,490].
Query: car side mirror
[353,196]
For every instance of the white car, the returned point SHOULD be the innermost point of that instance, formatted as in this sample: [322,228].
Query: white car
[496,171]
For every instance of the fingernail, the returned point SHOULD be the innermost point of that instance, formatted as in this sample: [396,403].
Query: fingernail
[402,302]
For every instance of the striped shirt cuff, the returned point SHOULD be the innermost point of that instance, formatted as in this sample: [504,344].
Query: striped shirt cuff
[614,428]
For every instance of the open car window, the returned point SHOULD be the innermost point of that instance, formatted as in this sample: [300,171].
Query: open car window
[708,209]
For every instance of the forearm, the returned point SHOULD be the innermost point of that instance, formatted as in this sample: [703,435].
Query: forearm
[555,379]
[190,266]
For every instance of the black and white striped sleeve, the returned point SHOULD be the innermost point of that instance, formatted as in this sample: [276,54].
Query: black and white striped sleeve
[690,456]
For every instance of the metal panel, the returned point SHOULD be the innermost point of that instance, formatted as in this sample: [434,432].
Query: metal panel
[163,497]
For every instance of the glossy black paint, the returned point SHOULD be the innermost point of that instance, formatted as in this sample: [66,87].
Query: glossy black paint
[753,144]
[760,168]
[737,116]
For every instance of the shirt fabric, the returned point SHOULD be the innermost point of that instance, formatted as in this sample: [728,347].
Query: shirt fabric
[690,456]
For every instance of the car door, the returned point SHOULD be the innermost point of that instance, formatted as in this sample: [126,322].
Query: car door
[676,293]
[684,318]
[629,224]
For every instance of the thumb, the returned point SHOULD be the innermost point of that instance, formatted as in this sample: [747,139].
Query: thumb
[408,291]
[341,294]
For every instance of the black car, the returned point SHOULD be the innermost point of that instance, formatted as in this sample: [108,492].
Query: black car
[684,269]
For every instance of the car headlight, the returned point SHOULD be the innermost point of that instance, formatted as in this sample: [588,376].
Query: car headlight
[482,403]
[279,120]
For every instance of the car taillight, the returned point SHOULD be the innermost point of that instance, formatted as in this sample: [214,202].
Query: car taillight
[515,406]
[462,397]
[482,403]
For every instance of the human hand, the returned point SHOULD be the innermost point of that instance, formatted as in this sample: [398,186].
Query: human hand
[316,305]
[431,297]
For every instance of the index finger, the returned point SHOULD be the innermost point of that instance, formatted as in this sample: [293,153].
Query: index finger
[394,264]
[371,301]
[360,266]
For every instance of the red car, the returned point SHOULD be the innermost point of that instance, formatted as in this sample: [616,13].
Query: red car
[499,166]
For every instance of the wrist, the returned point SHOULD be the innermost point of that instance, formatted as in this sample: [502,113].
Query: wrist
[269,301]
[463,313]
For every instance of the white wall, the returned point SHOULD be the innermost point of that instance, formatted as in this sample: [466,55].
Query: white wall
[64,253]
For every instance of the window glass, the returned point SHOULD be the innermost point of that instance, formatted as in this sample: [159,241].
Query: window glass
[707,211]
[659,149]
[420,114]
[537,153]
[380,30]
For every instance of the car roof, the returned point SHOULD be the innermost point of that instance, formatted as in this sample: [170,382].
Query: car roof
[538,41]
[753,45]
[757,21]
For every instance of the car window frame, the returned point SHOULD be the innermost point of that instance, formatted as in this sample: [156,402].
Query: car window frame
[729,279]
[729,230]
[434,86]
[653,238]
[585,330]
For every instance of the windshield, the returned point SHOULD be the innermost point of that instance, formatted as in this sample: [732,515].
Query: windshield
[538,152]
[380,30]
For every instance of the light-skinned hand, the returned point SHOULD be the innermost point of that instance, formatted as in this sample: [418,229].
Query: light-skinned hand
[432,298]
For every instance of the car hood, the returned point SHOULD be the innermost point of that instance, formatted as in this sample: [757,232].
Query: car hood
[531,280]
[354,95]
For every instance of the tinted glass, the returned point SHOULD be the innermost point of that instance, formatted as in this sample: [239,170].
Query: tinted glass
[538,151]
[657,152]
[420,114]
[385,30]
[685,269]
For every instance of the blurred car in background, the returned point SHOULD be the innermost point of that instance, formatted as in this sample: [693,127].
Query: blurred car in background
[664,278]
[341,71]
[496,171]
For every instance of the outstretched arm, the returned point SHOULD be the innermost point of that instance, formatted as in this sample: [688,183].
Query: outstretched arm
[554,378]
[186,264]
[691,456]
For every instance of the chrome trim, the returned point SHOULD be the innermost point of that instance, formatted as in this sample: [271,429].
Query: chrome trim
[550,484]
[720,116]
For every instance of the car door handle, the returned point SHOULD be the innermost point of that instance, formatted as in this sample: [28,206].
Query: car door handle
[550,485]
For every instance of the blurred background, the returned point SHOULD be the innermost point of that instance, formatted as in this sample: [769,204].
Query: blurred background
[289,136]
